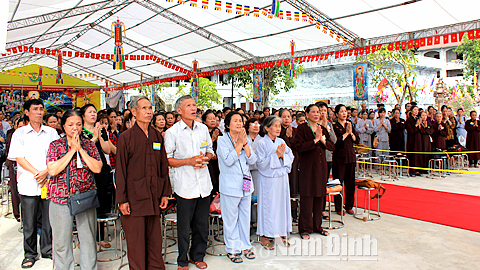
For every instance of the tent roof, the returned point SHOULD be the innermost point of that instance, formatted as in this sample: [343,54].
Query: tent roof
[179,33]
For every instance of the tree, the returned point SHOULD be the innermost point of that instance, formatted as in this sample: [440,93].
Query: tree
[274,80]
[470,49]
[207,93]
[382,65]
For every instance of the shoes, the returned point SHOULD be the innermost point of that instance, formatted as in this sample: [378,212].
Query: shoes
[47,256]
[341,213]
[351,212]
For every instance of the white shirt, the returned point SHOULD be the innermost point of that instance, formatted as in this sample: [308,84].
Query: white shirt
[294,124]
[181,142]
[6,126]
[221,126]
[32,146]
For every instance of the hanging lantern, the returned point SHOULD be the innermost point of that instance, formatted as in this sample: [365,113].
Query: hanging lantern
[292,55]
[195,81]
[119,57]
[59,69]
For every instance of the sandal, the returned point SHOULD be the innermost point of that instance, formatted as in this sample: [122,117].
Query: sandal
[235,257]
[305,236]
[324,233]
[249,254]
[285,242]
[28,263]
[268,246]
[199,265]
[105,244]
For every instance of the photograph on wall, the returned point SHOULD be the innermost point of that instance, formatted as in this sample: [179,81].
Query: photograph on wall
[360,83]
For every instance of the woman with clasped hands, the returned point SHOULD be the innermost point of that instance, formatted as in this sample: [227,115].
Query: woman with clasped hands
[236,187]
[62,153]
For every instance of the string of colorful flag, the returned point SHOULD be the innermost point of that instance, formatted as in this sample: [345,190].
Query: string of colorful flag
[270,13]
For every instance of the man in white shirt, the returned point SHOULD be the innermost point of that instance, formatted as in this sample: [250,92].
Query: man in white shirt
[189,148]
[5,126]
[29,148]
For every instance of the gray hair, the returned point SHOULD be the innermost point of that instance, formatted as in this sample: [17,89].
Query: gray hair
[179,101]
[268,122]
[134,101]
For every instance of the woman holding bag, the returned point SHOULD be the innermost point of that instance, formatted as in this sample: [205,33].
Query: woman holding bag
[63,166]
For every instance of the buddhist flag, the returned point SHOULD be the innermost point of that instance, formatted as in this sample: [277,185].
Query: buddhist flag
[281,15]
[218,5]
[296,16]
[454,37]
[325,29]
[239,9]
[256,11]
[246,10]
[289,15]
[205,4]
[193,3]
[331,33]
[275,8]
[228,7]
[310,19]
[182,2]
[337,38]
[304,17]
[436,40]
[264,11]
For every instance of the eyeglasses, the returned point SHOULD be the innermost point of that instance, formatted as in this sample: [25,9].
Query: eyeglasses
[255,125]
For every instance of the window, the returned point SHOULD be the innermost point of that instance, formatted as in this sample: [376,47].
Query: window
[433,54]
[454,73]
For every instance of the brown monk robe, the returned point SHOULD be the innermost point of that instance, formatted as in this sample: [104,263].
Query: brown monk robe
[142,180]
[396,140]
[293,175]
[313,176]
[473,139]
[344,162]
[438,136]
[427,131]
[414,144]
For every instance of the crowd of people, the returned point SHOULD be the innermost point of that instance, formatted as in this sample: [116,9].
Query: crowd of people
[142,160]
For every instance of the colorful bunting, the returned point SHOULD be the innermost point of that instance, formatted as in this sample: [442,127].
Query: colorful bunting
[119,61]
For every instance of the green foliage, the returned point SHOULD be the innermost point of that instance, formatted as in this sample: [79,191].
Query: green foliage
[382,65]
[274,80]
[207,93]
[470,49]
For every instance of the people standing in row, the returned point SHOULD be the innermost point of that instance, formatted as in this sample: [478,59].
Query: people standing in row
[209,119]
[234,158]
[450,123]
[311,141]
[344,159]
[473,138]
[63,165]
[439,133]
[365,128]
[461,131]
[426,132]
[414,141]
[189,148]
[252,127]
[274,162]
[28,148]
[396,136]
[382,128]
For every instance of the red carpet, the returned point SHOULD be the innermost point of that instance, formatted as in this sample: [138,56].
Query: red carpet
[451,209]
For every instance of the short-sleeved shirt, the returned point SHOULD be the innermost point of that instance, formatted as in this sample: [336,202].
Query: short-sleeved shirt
[81,180]
[27,143]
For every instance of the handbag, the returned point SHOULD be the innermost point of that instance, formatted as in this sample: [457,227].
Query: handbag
[78,203]
[215,205]
[371,184]
[375,142]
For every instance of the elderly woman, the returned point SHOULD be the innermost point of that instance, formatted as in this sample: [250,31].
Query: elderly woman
[252,127]
[473,138]
[274,161]
[364,127]
[439,133]
[209,119]
[311,141]
[461,131]
[63,165]
[234,158]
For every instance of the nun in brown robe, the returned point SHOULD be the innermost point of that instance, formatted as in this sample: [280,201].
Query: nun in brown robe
[209,119]
[287,134]
[426,131]
[414,141]
[142,187]
[439,133]
[396,136]
[473,138]
[344,159]
[310,144]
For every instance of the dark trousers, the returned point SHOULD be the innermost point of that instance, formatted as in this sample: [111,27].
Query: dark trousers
[144,242]
[346,173]
[30,207]
[329,168]
[309,223]
[192,214]
[105,200]
[13,190]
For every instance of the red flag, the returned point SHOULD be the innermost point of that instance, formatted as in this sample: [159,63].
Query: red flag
[47,51]
[404,45]
[478,33]
[362,50]
[87,55]
[429,41]
[436,40]
[128,56]
[97,56]
[367,50]
[77,54]
[422,42]
[42,50]
[454,37]
[82,54]
[460,36]
[417,43]
[142,57]
[20,48]
[30,49]
[445,39]
[341,54]
[103,56]
[108,56]
[398,46]
[64,53]
[382,84]
[355,52]
[390,47]
[471,34]
[379,47]
[92,56]
[374,48]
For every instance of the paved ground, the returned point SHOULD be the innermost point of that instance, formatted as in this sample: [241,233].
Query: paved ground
[395,242]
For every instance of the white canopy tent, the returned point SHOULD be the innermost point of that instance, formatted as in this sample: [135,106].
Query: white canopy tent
[179,33]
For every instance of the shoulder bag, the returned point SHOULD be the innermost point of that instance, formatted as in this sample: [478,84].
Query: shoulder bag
[78,203]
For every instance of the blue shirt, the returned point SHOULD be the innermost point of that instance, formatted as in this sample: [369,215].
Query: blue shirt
[233,167]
